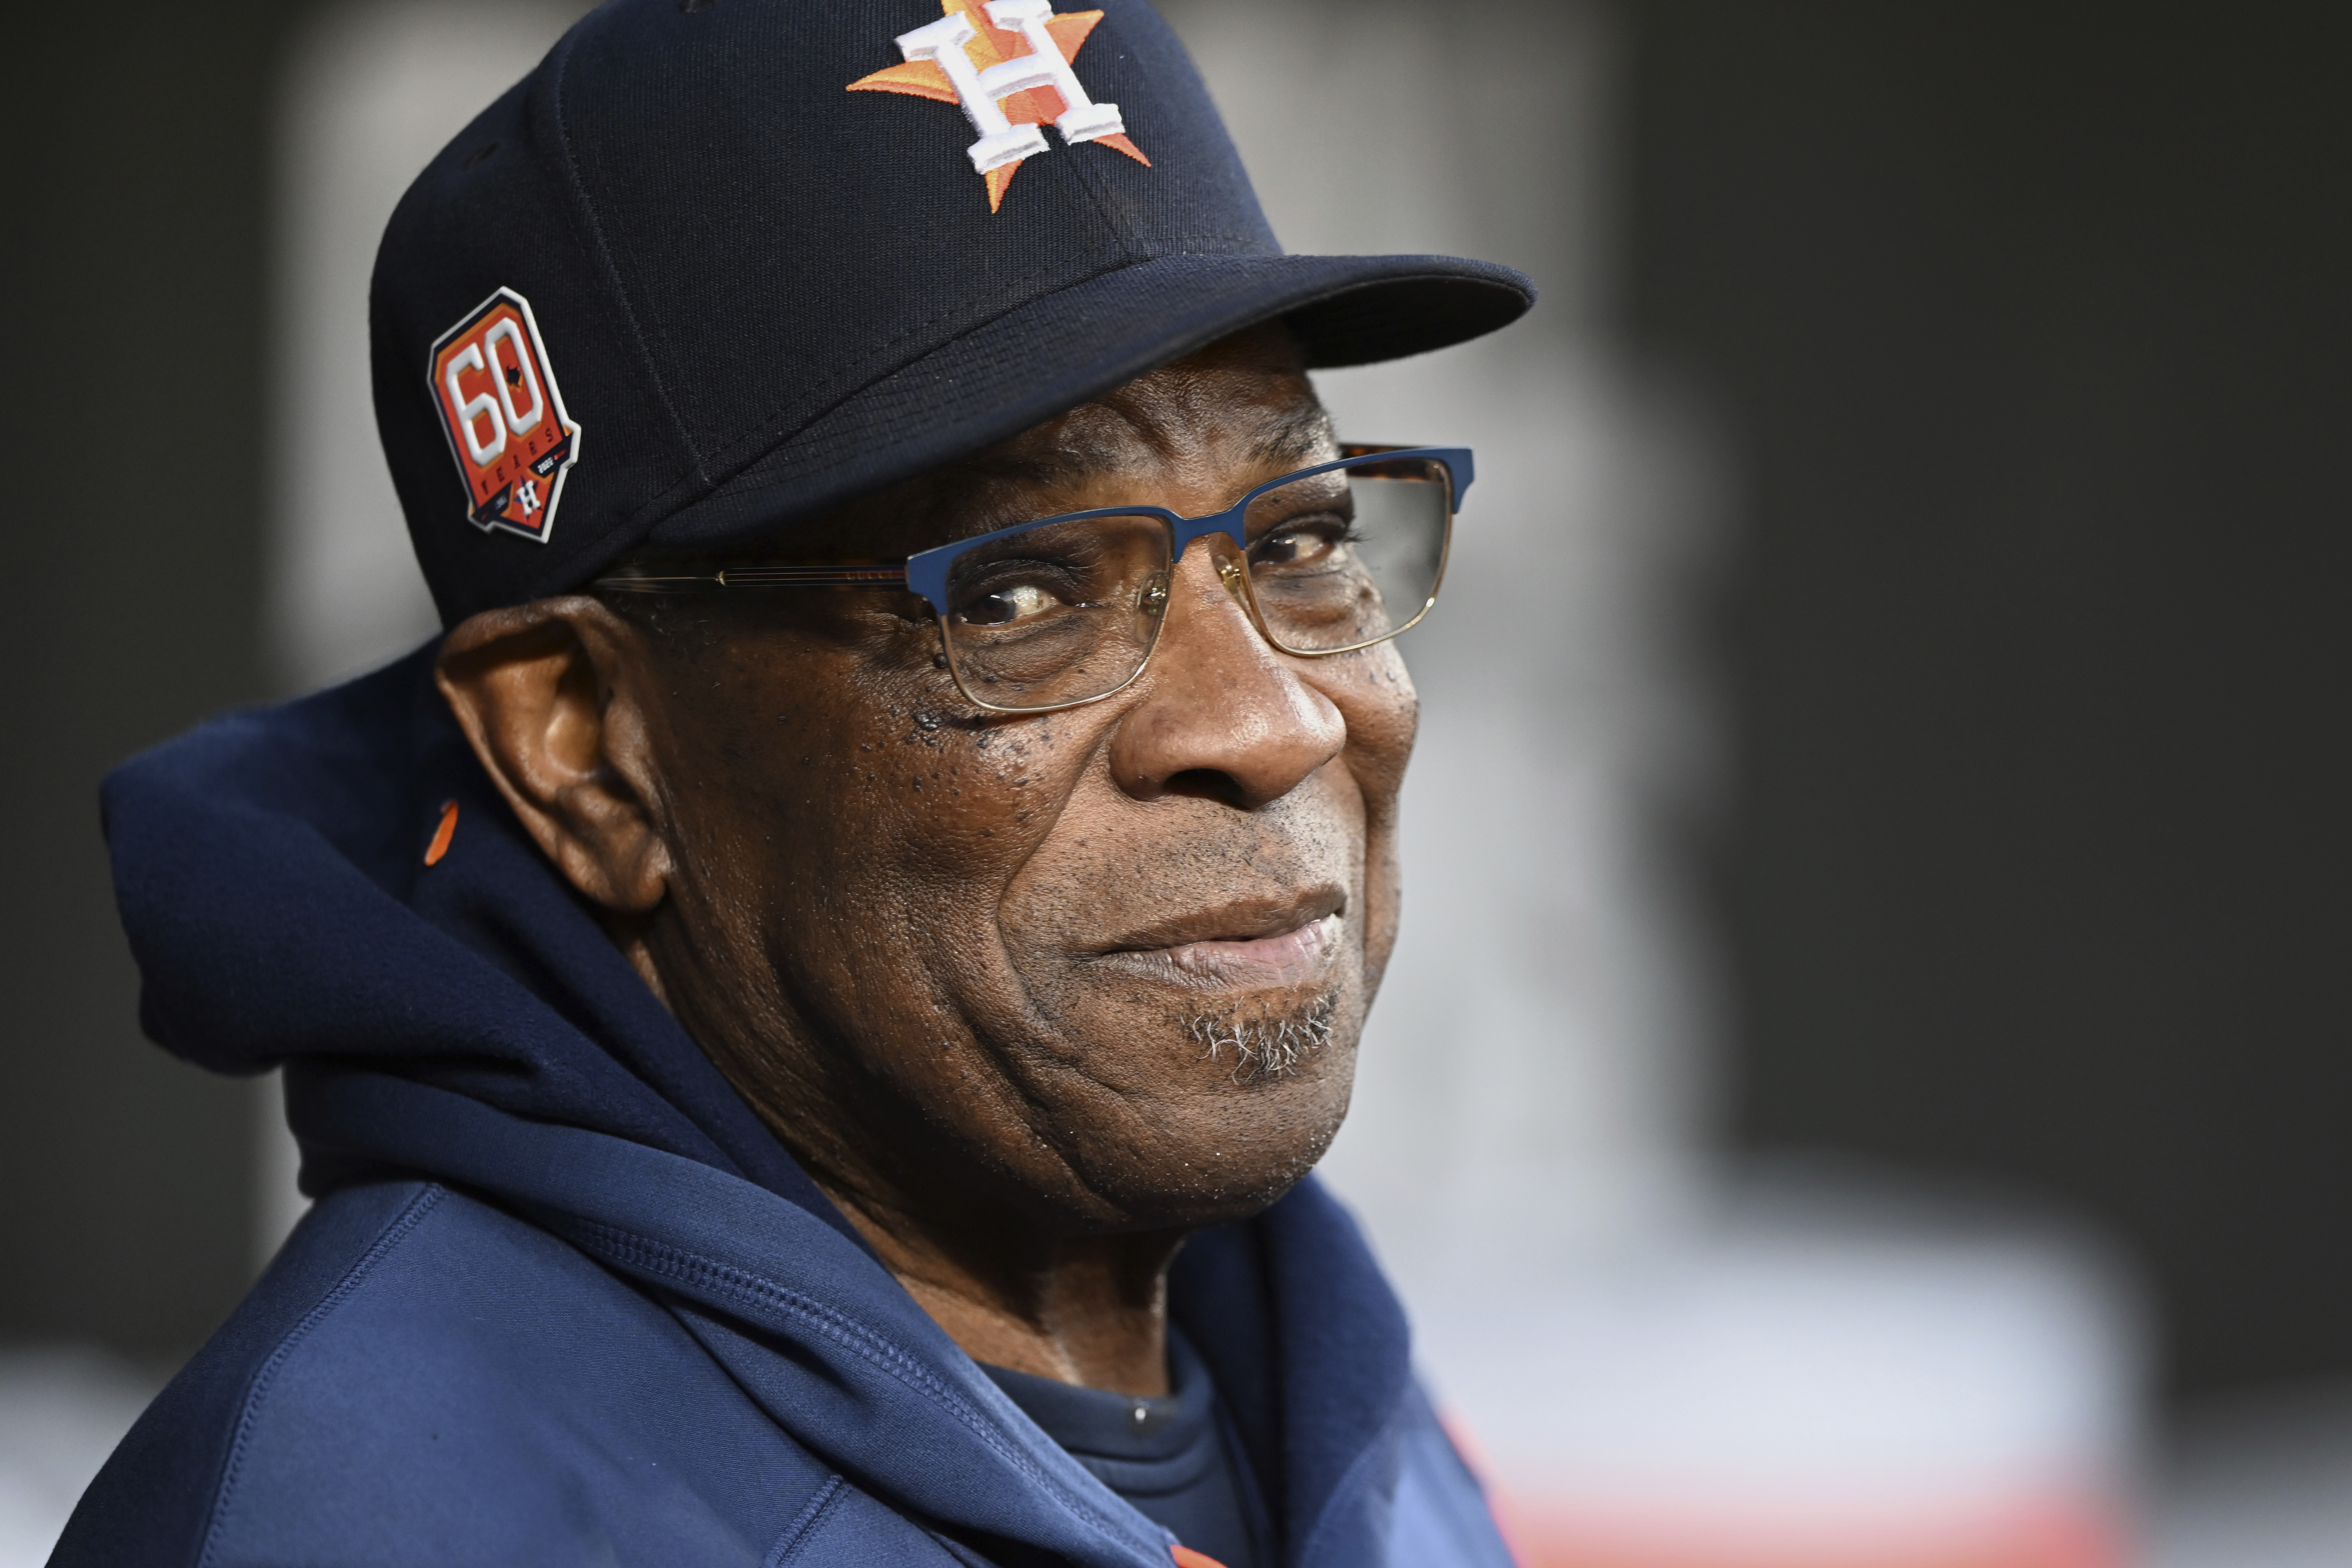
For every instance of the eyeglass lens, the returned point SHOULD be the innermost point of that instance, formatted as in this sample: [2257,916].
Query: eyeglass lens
[1068,610]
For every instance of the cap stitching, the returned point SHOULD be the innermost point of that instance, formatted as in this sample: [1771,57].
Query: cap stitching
[1083,171]
[619,287]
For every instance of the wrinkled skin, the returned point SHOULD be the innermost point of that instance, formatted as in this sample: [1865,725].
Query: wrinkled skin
[944,954]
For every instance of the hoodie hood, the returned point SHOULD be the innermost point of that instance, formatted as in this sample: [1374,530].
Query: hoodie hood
[469,1023]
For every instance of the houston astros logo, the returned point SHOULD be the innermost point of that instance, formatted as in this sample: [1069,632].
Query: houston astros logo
[1008,65]
[503,415]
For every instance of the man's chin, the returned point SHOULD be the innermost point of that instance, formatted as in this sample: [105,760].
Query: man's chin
[1260,1094]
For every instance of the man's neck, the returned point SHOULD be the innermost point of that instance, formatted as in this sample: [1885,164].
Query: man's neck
[1091,1311]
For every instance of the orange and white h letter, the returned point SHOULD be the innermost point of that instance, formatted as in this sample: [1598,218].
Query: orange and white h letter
[980,91]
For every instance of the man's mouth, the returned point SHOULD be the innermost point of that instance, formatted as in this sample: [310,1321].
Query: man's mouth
[1297,950]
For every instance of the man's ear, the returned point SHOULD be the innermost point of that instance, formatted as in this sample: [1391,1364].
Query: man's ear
[541,691]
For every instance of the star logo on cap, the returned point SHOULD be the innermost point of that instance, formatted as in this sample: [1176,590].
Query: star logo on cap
[1007,65]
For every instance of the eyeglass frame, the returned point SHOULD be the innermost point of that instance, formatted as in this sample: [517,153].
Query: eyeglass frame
[925,573]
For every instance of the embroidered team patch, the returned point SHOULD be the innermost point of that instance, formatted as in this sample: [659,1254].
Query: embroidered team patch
[504,417]
[1007,64]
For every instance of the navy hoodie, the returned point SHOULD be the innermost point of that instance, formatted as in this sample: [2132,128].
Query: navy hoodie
[563,1298]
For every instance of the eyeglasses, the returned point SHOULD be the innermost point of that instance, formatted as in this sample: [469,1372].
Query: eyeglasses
[1065,610]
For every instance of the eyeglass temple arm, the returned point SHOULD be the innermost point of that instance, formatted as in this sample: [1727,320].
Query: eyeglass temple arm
[762,577]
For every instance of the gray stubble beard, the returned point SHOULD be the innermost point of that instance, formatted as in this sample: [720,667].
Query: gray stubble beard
[1266,1047]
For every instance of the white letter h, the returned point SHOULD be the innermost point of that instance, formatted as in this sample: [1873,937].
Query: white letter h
[1001,141]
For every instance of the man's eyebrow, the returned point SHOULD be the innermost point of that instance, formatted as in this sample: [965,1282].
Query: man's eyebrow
[1300,435]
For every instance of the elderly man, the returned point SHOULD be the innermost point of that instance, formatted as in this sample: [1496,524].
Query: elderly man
[809,1011]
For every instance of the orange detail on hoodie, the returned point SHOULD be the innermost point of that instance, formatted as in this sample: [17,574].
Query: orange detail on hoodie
[443,834]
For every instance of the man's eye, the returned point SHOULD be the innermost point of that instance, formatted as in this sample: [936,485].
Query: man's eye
[1323,542]
[1009,605]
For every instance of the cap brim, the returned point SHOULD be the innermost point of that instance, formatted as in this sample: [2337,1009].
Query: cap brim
[1054,353]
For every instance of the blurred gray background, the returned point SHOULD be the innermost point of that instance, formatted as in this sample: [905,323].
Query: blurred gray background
[1928,470]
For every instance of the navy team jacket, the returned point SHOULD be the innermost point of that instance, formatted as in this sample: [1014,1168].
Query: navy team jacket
[561,1298]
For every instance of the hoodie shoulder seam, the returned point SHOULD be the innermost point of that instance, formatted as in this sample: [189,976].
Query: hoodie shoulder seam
[392,1234]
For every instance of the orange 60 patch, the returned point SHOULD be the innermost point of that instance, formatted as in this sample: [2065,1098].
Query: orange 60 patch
[504,417]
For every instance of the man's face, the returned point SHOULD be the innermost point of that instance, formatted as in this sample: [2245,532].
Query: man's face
[1107,965]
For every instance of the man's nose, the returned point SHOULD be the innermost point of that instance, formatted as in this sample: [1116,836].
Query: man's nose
[1222,714]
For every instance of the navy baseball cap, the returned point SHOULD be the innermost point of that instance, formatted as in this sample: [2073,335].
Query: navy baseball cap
[718,265]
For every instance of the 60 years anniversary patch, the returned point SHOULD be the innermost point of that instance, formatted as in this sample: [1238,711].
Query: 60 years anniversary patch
[504,417]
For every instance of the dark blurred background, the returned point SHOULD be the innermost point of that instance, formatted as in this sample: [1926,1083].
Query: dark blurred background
[2029,325]
[135,268]
[2026,329]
